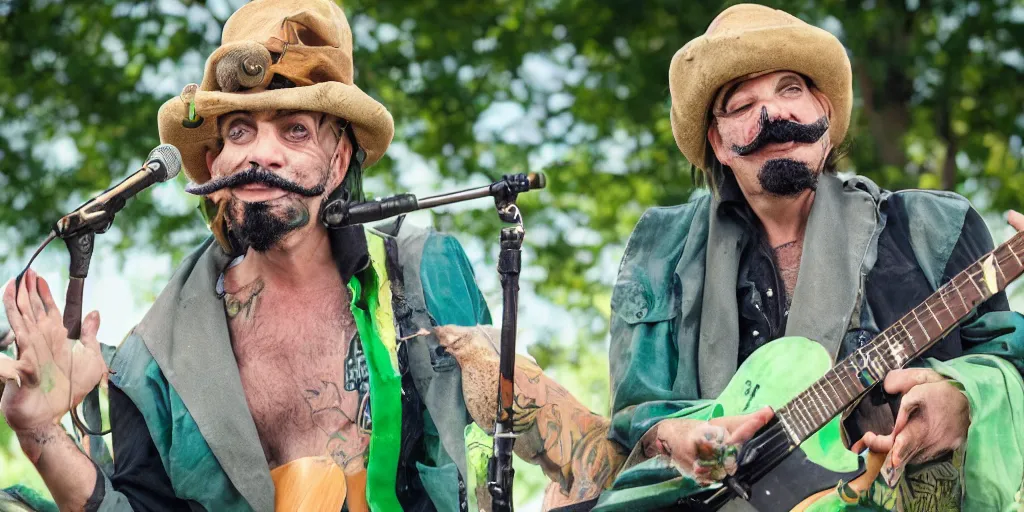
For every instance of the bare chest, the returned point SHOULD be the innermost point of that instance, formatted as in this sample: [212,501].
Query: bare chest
[291,353]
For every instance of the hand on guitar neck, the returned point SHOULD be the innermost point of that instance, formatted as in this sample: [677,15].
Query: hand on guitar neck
[933,418]
[705,450]
[932,421]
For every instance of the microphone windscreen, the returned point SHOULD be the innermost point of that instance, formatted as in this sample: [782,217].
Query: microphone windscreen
[537,180]
[170,157]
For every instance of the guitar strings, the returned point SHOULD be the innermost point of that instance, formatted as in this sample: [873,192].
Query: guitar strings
[874,350]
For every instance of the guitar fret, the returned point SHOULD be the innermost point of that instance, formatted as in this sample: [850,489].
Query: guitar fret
[834,392]
[800,420]
[918,320]
[909,337]
[928,306]
[805,416]
[784,421]
[961,295]
[818,404]
[942,297]
[981,294]
[1014,253]
[894,351]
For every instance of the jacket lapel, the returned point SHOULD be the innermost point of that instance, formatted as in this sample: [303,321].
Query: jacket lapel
[718,346]
[841,231]
[187,333]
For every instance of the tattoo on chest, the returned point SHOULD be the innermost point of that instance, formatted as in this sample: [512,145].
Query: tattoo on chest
[357,378]
[345,444]
[342,412]
[244,301]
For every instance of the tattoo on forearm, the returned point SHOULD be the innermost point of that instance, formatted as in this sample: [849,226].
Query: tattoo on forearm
[570,442]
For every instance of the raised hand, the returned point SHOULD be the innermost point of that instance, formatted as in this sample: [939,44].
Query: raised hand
[51,373]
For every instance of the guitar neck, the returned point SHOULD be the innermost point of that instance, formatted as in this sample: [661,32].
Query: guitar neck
[903,341]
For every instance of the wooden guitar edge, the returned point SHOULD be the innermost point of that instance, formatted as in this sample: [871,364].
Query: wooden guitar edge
[859,484]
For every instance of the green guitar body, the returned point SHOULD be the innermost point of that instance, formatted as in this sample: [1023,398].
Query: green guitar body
[775,374]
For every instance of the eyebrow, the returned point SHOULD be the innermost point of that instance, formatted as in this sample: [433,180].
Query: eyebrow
[728,94]
[789,80]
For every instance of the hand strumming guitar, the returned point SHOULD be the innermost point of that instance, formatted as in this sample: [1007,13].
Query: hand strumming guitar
[704,450]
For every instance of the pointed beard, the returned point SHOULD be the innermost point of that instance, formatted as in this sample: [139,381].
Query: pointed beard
[260,227]
[785,177]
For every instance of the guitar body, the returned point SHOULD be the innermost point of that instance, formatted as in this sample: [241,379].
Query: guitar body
[773,375]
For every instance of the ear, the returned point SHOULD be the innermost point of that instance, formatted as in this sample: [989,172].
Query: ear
[210,157]
[723,153]
[339,161]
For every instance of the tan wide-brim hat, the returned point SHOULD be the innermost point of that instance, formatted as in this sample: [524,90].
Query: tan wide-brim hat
[307,42]
[750,40]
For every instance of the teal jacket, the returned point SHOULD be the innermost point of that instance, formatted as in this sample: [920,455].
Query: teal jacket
[674,333]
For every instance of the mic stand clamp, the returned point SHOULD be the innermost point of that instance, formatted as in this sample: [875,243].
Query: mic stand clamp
[500,473]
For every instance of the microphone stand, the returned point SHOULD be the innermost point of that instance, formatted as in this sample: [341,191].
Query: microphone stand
[499,468]
[338,214]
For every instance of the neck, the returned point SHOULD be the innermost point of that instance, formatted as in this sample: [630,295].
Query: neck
[301,259]
[784,218]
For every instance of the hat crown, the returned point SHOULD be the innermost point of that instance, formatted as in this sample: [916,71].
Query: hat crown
[744,17]
[305,41]
[748,40]
[311,22]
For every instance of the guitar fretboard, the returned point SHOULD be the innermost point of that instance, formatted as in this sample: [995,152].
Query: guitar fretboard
[903,341]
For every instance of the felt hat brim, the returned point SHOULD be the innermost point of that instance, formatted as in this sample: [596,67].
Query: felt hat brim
[372,123]
[707,63]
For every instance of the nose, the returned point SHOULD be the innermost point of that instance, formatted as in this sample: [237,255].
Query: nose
[267,151]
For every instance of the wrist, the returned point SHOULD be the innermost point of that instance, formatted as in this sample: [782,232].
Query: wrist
[33,441]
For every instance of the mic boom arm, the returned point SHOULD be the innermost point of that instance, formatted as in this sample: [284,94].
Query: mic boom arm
[340,213]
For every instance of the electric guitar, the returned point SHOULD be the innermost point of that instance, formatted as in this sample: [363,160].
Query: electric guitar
[800,454]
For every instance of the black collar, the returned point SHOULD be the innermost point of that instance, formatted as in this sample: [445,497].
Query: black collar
[351,254]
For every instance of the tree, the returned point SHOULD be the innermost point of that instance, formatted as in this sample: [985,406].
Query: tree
[576,89]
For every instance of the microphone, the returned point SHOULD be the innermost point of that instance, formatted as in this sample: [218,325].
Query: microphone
[162,164]
[339,214]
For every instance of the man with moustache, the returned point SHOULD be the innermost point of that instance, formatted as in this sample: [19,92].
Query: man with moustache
[784,247]
[273,371]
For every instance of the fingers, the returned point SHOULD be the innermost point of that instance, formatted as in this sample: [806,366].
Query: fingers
[873,442]
[91,326]
[47,297]
[39,310]
[751,424]
[11,309]
[909,407]
[901,381]
[1016,219]
[22,298]
[10,369]
[903,446]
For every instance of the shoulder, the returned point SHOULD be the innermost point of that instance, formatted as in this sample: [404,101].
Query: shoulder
[661,232]
[920,205]
[645,287]
[934,217]
[420,247]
